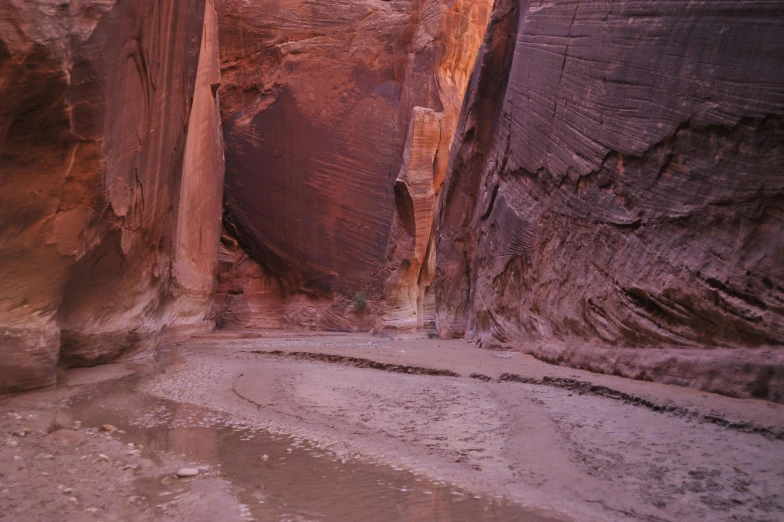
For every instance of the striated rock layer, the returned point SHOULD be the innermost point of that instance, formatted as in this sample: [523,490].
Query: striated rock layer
[317,99]
[617,181]
[444,48]
[111,175]
[249,296]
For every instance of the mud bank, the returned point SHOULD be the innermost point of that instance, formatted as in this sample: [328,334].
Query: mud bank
[350,427]
[100,448]
[54,466]
[635,451]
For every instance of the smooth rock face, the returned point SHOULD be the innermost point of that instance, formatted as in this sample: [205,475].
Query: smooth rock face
[317,100]
[617,179]
[313,128]
[110,167]
[410,238]
[187,472]
[201,190]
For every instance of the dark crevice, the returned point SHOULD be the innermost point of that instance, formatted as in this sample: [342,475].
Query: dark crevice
[492,203]
[405,208]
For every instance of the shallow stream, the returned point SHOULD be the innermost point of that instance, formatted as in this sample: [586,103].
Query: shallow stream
[278,477]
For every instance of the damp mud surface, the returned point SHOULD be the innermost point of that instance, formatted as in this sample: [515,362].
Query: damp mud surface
[276,476]
[322,427]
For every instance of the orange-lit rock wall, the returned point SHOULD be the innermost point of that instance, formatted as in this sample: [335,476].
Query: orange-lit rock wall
[317,101]
[109,143]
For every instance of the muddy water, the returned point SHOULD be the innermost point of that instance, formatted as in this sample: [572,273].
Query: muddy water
[279,477]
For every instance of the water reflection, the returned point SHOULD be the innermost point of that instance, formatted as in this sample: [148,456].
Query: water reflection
[281,477]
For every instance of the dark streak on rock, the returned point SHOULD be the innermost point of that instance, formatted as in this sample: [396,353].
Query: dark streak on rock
[361,363]
[574,385]
[588,388]
[481,377]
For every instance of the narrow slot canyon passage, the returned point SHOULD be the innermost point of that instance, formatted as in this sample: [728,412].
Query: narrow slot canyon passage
[391,260]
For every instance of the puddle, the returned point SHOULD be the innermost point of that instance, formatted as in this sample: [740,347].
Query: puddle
[295,482]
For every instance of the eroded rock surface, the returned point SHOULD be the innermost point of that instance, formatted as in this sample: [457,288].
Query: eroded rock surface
[617,177]
[111,175]
[446,42]
[317,100]
[249,296]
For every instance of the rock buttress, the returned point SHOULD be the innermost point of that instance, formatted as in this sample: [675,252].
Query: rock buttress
[443,53]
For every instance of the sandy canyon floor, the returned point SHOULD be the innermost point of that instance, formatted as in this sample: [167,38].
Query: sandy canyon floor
[287,426]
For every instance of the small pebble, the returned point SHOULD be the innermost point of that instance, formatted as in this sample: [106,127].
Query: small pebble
[265,458]
[187,472]
[73,501]
[103,457]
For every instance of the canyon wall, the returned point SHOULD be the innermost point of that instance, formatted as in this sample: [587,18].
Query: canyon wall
[615,198]
[612,198]
[317,102]
[110,176]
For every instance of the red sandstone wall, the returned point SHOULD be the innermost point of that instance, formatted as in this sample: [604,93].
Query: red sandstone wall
[108,129]
[614,198]
[317,100]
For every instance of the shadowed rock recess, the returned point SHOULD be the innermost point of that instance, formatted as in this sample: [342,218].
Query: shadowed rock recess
[597,183]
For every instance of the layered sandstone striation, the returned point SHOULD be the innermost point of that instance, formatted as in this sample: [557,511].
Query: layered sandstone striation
[442,54]
[616,187]
[111,175]
[249,296]
[313,132]
[596,183]
[317,101]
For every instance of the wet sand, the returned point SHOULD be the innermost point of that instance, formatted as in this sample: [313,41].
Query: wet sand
[362,428]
